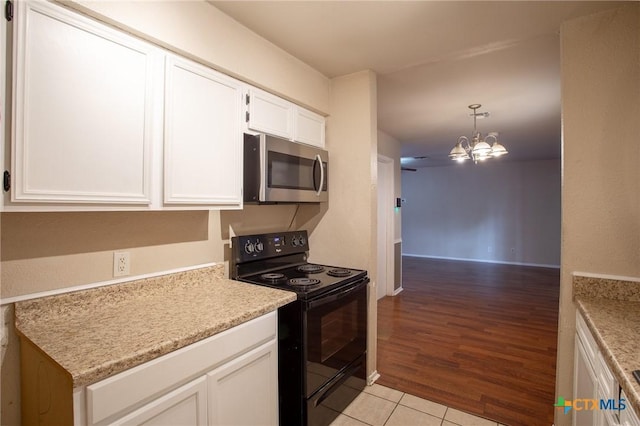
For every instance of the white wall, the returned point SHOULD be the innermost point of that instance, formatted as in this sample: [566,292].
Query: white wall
[495,211]
[601,157]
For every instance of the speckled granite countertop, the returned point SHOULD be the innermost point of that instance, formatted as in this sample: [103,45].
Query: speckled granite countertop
[611,309]
[97,333]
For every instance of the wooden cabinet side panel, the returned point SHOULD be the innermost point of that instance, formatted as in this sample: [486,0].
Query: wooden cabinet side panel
[46,389]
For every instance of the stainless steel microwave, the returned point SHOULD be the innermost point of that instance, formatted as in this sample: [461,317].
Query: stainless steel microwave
[281,171]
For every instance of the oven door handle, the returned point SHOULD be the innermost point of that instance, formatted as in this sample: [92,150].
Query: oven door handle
[342,293]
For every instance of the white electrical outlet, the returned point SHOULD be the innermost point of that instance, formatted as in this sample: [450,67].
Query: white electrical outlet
[120,263]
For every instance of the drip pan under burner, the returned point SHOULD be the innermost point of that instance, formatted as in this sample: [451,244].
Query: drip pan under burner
[303,282]
[272,277]
[310,268]
[339,272]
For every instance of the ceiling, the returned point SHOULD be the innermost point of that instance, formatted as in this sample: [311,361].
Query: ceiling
[432,60]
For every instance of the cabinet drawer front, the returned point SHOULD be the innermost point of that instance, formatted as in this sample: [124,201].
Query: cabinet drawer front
[184,406]
[130,389]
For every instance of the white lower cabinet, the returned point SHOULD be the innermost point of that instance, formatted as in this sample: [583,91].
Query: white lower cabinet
[226,379]
[251,377]
[185,406]
[585,385]
[628,417]
[597,400]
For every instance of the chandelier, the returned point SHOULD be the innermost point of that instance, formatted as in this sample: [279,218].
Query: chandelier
[477,149]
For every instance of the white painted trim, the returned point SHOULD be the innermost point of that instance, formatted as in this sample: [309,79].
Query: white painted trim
[606,276]
[101,284]
[397,291]
[388,192]
[373,377]
[397,240]
[539,265]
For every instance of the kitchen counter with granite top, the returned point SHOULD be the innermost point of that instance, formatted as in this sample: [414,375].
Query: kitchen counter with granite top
[611,309]
[94,334]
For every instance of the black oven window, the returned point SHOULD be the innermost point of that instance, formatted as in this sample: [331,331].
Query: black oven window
[337,335]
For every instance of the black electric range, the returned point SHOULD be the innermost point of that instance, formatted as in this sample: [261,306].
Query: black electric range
[322,336]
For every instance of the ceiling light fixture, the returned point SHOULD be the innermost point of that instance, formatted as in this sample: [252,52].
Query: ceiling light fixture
[478,149]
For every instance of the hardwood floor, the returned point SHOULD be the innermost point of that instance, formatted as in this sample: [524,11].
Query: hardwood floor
[474,336]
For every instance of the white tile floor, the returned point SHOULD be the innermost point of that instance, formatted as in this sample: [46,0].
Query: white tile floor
[381,406]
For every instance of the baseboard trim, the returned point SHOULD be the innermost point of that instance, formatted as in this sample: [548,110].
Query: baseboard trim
[397,291]
[502,262]
[372,378]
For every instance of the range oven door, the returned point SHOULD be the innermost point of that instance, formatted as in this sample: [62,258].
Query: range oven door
[279,170]
[336,344]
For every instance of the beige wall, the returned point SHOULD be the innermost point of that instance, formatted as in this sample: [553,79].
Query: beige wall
[601,153]
[346,234]
[198,30]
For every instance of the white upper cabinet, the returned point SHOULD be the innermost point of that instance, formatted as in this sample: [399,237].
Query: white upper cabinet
[202,136]
[270,114]
[309,128]
[83,109]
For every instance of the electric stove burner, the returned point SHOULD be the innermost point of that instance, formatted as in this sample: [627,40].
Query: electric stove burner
[272,277]
[303,282]
[339,272]
[310,268]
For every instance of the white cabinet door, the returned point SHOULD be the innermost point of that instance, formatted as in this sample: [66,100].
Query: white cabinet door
[270,114]
[309,127]
[203,136]
[244,391]
[83,109]
[628,416]
[584,386]
[184,406]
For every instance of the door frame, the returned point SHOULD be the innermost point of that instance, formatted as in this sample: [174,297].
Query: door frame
[386,191]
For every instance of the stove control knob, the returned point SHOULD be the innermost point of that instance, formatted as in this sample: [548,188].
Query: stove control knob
[303,240]
[258,246]
[294,241]
[249,248]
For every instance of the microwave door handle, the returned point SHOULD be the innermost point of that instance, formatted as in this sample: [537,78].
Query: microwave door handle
[319,160]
